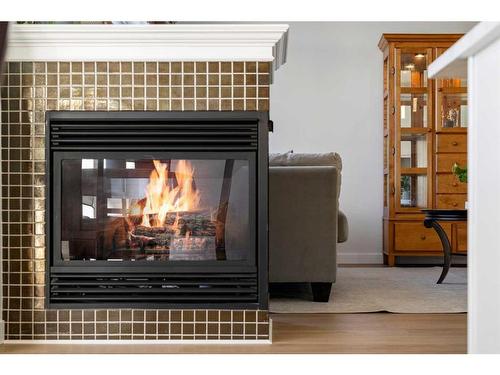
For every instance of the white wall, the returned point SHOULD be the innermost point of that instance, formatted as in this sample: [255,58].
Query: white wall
[328,97]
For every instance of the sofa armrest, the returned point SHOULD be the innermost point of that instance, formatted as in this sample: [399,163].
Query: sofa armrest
[302,224]
[343,228]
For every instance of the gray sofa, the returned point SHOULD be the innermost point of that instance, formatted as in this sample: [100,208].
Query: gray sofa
[305,223]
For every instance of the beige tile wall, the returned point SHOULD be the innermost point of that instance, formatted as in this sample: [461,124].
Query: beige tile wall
[28,90]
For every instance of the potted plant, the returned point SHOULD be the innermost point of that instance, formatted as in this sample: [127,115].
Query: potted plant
[461,173]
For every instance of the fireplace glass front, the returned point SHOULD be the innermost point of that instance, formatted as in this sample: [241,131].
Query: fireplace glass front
[138,209]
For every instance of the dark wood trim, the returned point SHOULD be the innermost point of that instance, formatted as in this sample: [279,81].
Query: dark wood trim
[387,38]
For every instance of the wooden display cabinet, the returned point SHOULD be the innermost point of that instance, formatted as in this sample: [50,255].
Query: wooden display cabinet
[425,133]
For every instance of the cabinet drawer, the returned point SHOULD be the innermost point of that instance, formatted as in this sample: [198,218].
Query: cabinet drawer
[416,237]
[451,201]
[449,184]
[461,234]
[444,162]
[452,143]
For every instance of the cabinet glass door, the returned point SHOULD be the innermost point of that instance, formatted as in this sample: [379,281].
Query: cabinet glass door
[452,108]
[413,191]
[451,100]
[413,128]
[413,68]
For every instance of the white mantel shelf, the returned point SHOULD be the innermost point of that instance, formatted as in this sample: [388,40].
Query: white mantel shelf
[144,42]
[453,62]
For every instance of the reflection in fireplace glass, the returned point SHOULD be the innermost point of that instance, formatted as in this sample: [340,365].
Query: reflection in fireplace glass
[155,210]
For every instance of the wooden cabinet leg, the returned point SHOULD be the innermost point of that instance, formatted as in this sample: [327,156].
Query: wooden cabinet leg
[391,260]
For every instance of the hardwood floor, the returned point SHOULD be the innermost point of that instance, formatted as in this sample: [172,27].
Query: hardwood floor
[313,333]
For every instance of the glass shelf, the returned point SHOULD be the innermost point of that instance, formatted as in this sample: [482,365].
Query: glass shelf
[413,150]
[413,110]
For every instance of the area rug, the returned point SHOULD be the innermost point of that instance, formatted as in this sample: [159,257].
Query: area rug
[375,289]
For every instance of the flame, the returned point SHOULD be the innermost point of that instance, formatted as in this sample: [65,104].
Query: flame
[162,199]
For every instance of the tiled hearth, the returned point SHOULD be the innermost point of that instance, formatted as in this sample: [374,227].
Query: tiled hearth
[31,88]
[141,325]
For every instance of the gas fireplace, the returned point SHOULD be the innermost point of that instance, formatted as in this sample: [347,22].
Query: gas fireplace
[156,209]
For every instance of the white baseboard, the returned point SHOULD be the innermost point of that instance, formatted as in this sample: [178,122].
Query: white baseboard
[359,258]
[270,330]
[2,331]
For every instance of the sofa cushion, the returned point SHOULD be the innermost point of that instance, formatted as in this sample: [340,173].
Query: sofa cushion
[277,159]
[306,160]
[291,159]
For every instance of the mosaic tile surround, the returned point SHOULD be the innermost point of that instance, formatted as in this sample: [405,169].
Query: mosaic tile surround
[28,90]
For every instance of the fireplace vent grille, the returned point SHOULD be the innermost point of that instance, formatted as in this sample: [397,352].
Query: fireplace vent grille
[158,289]
[152,134]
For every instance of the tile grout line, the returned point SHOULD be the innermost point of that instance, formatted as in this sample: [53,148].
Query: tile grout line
[232,85]
[207,92]
[195,93]
[144,84]
[120,323]
[182,86]
[206,323]
[158,106]
[245,77]
[107,324]
[257,82]
[157,325]
[220,86]
[169,86]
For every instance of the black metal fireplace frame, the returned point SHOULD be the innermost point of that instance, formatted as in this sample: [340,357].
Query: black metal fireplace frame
[231,272]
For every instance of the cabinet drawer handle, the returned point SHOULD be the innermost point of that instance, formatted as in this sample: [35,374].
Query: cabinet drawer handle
[455,184]
[454,143]
[455,204]
[422,237]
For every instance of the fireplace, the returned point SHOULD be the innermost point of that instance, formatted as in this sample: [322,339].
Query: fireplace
[156,209]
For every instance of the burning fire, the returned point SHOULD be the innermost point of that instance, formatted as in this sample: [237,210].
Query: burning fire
[162,199]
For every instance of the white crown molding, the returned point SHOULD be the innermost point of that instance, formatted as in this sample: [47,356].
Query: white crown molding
[201,42]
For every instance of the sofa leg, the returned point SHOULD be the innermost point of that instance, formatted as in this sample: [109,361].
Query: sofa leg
[321,291]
